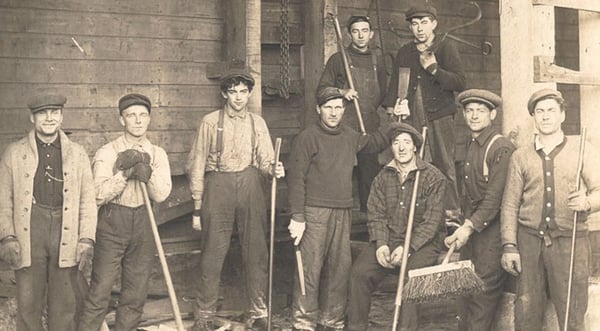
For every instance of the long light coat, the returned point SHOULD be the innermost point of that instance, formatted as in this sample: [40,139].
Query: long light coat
[79,215]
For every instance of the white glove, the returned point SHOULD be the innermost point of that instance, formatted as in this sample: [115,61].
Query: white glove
[383,256]
[396,257]
[296,230]
[401,108]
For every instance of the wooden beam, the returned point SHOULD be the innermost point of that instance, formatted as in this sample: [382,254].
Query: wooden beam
[546,71]
[593,6]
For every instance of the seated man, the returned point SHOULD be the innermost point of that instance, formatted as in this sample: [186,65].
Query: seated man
[388,208]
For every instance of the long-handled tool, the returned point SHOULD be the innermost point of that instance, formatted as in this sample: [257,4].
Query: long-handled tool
[338,33]
[403,80]
[443,281]
[272,233]
[409,226]
[573,235]
[300,270]
[163,260]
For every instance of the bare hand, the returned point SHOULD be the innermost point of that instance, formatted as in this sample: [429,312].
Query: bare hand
[12,252]
[578,201]
[196,223]
[383,256]
[427,58]
[349,94]
[511,262]
[296,230]
[84,253]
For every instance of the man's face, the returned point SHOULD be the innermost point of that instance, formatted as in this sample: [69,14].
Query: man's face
[478,116]
[422,28]
[548,116]
[47,122]
[136,120]
[331,112]
[404,148]
[237,96]
[361,34]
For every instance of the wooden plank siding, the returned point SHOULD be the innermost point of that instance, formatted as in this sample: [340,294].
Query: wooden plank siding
[159,48]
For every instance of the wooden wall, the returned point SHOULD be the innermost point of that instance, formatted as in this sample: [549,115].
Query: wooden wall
[155,47]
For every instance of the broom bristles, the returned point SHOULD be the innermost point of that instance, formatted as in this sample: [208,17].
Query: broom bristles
[446,284]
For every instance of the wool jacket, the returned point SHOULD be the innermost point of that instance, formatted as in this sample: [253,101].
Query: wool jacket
[539,184]
[437,89]
[79,217]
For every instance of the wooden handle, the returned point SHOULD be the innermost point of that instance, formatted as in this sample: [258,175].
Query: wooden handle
[272,231]
[163,260]
[300,270]
[449,254]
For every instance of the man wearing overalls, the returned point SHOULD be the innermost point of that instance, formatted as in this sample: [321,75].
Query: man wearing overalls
[368,72]
[231,154]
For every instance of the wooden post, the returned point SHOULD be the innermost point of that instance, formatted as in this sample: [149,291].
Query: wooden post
[242,42]
[589,48]
[526,31]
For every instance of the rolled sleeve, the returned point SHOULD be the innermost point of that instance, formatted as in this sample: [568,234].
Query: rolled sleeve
[107,184]
[197,161]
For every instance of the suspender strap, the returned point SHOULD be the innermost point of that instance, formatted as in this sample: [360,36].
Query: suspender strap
[486,170]
[220,138]
[374,63]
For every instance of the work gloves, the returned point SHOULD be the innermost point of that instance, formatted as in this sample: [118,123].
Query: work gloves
[196,221]
[387,260]
[11,251]
[130,157]
[84,253]
[277,170]
[134,164]
[461,235]
[296,230]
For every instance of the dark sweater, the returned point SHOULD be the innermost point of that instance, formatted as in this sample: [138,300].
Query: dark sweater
[320,166]
[437,90]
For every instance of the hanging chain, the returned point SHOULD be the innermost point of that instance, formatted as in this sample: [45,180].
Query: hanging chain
[284,68]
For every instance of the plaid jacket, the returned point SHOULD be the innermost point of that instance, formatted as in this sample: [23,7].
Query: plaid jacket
[389,204]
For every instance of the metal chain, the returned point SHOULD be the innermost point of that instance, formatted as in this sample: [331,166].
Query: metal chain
[284,68]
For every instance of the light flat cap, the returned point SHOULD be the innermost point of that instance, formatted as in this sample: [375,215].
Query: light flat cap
[398,128]
[134,99]
[542,94]
[328,93]
[490,99]
[421,10]
[46,101]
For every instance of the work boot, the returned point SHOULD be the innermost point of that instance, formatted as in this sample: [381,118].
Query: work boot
[257,324]
[203,324]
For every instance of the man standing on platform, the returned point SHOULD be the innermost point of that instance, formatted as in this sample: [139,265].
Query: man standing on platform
[47,218]
[368,72]
[540,199]
[230,157]
[125,243]
[436,72]
[478,238]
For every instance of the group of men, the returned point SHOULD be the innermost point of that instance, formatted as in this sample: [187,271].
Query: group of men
[517,204]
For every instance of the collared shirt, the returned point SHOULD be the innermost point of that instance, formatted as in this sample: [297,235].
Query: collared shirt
[389,205]
[48,181]
[483,198]
[551,145]
[404,172]
[238,152]
[113,187]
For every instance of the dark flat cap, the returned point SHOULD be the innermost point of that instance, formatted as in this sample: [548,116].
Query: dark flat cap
[237,73]
[46,101]
[328,93]
[542,94]
[134,99]
[491,100]
[398,128]
[422,10]
[357,18]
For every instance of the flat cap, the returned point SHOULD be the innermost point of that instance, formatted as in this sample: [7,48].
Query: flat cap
[357,18]
[46,101]
[542,94]
[328,93]
[490,99]
[134,99]
[237,73]
[398,128]
[421,10]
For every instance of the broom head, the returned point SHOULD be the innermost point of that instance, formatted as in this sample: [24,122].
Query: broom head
[442,282]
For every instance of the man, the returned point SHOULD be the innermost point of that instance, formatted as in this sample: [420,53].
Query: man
[478,238]
[47,217]
[231,156]
[124,241]
[538,207]
[436,72]
[320,196]
[368,72]
[388,210]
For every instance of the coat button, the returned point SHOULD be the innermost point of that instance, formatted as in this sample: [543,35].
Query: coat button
[25,229]
[64,244]
[26,209]
[66,228]
[66,208]
[25,157]
[26,175]
[66,190]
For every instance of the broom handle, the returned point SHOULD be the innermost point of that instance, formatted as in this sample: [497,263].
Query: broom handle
[338,33]
[573,234]
[450,252]
[272,232]
[163,260]
[411,217]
